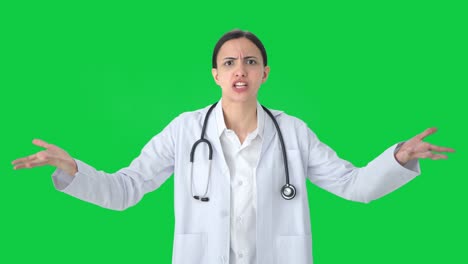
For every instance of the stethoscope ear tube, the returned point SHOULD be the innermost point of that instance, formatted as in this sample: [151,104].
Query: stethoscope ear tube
[203,199]
[194,147]
[202,139]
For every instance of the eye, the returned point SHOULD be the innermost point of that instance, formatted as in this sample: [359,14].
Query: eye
[228,63]
[251,62]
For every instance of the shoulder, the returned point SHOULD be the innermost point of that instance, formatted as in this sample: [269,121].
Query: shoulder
[289,121]
[294,128]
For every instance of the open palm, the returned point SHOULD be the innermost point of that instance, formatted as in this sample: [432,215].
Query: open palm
[52,155]
[416,148]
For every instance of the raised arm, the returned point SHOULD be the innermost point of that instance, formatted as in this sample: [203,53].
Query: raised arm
[387,172]
[118,190]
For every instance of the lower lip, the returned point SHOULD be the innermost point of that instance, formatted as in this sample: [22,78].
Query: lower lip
[240,90]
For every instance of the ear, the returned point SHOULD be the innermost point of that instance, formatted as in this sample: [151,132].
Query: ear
[266,72]
[214,72]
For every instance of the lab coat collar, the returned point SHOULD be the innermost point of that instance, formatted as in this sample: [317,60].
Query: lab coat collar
[269,131]
[221,124]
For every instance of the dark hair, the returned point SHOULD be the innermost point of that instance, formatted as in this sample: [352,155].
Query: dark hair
[235,34]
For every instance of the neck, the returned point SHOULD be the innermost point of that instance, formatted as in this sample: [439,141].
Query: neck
[240,117]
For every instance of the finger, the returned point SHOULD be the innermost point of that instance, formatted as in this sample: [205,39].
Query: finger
[423,155]
[19,166]
[426,133]
[29,165]
[440,149]
[430,155]
[438,156]
[25,159]
[16,161]
[38,163]
[40,143]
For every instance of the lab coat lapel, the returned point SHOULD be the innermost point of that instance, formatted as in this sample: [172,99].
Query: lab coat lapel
[269,133]
[213,137]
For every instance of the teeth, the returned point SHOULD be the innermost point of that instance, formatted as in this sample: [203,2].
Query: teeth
[240,84]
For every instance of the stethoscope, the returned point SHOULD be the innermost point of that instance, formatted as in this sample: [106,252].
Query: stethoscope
[288,191]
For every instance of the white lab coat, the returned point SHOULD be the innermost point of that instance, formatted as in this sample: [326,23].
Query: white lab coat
[202,228]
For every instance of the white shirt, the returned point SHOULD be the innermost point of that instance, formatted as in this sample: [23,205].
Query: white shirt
[242,161]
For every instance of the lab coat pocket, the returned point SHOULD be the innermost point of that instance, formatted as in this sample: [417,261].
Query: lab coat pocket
[189,248]
[294,249]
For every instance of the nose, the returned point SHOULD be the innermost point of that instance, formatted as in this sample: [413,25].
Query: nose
[240,70]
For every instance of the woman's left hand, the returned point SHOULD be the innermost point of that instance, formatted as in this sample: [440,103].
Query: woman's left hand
[416,148]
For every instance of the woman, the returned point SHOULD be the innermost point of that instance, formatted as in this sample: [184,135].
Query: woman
[237,208]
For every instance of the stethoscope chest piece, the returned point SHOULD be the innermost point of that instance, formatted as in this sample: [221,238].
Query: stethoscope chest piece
[288,191]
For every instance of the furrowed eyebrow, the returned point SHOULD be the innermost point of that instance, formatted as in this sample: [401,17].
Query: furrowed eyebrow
[245,58]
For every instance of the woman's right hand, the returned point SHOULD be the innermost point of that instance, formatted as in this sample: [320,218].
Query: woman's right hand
[52,155]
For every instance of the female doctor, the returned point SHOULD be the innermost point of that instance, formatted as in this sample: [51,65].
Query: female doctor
[239,170]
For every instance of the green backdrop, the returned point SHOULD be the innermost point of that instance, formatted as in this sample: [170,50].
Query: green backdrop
[99,79]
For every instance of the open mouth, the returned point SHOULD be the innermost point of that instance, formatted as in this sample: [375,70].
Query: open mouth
[240,85]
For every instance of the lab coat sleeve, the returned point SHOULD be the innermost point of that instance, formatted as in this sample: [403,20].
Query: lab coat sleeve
[127,186]
[379,177]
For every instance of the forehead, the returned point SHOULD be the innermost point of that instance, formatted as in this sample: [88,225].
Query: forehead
[239,47]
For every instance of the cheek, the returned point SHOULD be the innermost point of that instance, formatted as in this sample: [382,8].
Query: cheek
[223,74]
[259,75]
[223,81]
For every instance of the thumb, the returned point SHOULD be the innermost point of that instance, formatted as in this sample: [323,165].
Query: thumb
[40,143]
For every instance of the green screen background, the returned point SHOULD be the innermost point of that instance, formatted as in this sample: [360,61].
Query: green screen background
[99,79]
